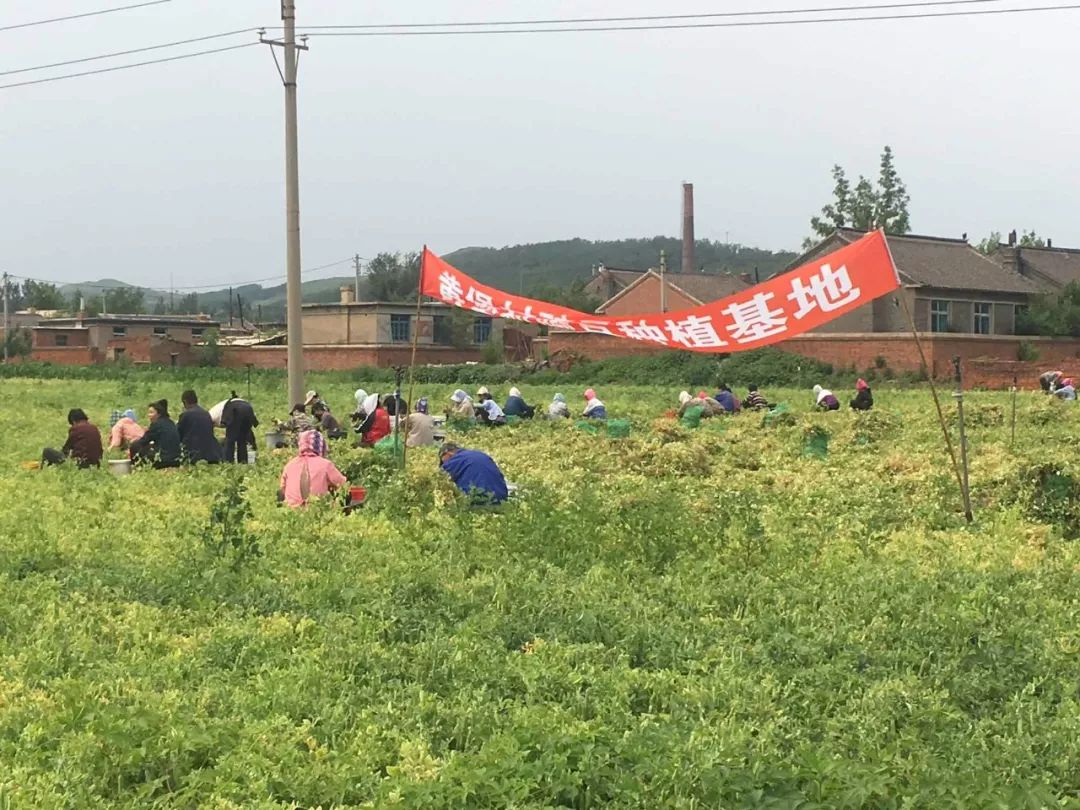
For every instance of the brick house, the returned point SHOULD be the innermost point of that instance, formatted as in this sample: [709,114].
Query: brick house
[949,287]
[158,339]
[1048,266]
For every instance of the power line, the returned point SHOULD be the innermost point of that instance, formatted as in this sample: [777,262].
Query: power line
[658,17]
[84,14]
[126,67]
[129,52]
[687,26]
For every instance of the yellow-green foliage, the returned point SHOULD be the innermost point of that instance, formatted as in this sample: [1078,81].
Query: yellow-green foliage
[683,618]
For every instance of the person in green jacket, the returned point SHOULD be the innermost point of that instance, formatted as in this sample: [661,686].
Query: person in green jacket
[160,445]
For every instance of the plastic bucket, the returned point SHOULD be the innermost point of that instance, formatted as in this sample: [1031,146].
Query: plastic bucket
[273,439]
[251,456]
[120,466]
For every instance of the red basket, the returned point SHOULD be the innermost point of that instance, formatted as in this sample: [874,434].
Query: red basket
[357,494]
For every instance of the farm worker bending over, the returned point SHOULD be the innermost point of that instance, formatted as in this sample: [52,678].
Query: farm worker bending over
[1065,389]
[558,409]
[420,426]
[125,431]
[309,475]
[161,442]
[755,401]
[824,399]
[327,422]
[516,406]
[728,401]
[864,397]
[474,473]
[298,422]
[240,422]
[374,421]
[1049,380]
[311,399]
[482,394]
[709,406]
[196,430]
[83,443]
[594,408]
[490,413]
[462,406]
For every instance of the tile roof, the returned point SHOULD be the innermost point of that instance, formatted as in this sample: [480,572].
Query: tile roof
[950,264]
[706,287]
[1060,266]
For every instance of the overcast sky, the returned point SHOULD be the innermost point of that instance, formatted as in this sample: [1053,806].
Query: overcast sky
[178,168]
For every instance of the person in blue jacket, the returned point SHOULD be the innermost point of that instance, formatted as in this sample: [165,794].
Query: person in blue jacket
[474,473]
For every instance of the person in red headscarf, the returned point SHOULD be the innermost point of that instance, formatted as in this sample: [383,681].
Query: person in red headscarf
[864,397]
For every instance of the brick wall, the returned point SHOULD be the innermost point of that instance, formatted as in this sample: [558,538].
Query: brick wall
[66,355]
[645,297]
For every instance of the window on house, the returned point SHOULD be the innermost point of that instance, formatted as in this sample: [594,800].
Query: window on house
[119,331]
[160,331]
[197,332]
[939,316]
[441,331]
[481,330]
[399,328]
[61,340]
[981,319]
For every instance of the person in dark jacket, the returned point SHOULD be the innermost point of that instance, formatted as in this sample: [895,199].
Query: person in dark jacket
[196,431]
[83,443]
[474,473]
[864,397]
[328,424]
[160,445]
[240,422]
[395,405]
[516,405]
[727,399]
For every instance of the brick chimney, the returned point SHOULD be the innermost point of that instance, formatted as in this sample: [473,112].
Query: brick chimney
[348,294]
[688,227]
[1012,238]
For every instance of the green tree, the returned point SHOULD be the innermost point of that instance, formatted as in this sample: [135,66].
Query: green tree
[989,246]
[209,352]
[41,295]
[393,276]
[572,296]
[1052,315]
[866,206]
[91,305]
[125,300]
[19,342]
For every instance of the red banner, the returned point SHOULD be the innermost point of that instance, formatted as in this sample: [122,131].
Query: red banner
[777,309]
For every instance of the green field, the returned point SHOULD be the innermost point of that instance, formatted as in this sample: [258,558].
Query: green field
[692,619]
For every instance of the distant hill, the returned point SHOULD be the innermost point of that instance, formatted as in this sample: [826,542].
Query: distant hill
[561,263]
[519,267]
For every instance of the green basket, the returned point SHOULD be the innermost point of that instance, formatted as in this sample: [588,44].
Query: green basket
[692,417]
[618,428]
[386,446]
[816,445]
[588,426]
[513,419]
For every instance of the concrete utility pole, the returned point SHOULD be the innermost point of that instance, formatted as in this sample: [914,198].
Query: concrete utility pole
[7,322]
[663,281]
[356,266]
[294,311]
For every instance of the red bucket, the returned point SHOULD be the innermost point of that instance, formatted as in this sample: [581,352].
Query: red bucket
[357,495]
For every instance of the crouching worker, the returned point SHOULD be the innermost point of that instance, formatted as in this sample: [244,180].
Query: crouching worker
[864,397]
[309,475]
[825,400]
[83,443]
[516,405]
[474,473]
[160,445]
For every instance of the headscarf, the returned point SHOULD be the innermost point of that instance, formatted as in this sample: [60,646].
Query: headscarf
[817,390]
[861,385]
[492,408]
[820,394]
[128,414]
[590,394]
[1067,382]
[459,396]
[702,394]
[311,443]
[371,403]
[558,398]
[311,398]
[360,395]
[422,405]
[114,417]
[514,392]
[684,397]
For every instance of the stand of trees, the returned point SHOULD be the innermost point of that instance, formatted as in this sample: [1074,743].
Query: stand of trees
[865,206]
